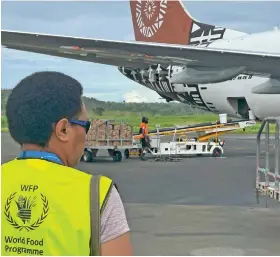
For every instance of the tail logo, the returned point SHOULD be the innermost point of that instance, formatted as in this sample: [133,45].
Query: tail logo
[150,15]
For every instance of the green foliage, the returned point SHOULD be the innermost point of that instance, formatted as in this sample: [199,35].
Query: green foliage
[154,109]
[4,121]
[4,97]
[134,118]
[98,110]
[4,124]
[97,107]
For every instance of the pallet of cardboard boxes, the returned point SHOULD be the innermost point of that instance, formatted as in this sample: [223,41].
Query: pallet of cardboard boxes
[108,134]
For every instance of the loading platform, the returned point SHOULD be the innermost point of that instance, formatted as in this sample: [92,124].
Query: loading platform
[205,142]
[204,131]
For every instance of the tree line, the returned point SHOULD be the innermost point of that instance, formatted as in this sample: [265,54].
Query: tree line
[99,107]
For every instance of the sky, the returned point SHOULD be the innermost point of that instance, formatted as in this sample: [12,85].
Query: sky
[110,20]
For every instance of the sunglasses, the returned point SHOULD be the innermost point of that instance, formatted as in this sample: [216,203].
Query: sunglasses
[82,123]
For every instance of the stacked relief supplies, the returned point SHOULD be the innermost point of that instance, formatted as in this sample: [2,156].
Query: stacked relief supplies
[109,133]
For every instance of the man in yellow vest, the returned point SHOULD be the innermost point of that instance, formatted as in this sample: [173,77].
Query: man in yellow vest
[48,207]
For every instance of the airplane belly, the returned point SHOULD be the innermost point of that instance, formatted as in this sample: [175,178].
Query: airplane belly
[216,99]
[188,94]
[225,97]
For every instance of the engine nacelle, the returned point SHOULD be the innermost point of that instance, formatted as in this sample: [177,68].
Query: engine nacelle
[203,75]
[271,86]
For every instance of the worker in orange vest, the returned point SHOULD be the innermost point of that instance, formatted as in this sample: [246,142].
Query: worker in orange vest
[144,138]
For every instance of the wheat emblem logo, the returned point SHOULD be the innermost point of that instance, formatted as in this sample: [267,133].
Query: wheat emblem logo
[25,206]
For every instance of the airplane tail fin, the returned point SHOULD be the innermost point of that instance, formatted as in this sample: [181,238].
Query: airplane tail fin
[168,21]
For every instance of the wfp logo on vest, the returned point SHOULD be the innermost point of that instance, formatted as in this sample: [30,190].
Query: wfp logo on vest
[24,210]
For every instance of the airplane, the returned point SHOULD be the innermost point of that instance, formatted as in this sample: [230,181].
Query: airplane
[182,59]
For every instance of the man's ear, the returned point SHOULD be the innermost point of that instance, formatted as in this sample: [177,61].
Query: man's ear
[62,130]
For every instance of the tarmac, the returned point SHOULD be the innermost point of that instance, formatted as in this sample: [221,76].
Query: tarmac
[199,206]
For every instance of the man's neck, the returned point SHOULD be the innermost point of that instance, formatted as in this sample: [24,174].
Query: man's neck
[32,147]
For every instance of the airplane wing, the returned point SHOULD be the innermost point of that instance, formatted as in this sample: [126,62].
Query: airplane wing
[142,54]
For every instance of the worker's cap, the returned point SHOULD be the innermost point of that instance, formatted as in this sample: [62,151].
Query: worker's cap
[144,119]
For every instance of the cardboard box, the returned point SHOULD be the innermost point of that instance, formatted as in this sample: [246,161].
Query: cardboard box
[103,130]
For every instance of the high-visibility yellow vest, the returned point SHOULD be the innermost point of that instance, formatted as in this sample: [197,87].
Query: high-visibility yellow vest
[46,208]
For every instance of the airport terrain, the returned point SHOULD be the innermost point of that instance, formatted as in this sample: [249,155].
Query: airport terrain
[200,206]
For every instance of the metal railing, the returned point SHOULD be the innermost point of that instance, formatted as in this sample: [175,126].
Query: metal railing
[269,185]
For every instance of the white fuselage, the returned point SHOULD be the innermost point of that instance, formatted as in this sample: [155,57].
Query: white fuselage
[266,42]
[225,96]
[235,96]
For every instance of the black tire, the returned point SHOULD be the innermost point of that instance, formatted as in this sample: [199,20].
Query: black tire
[217,152]
[126,153]
[117,156]
[87,156]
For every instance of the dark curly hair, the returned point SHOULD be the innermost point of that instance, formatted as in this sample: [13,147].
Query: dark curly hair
[40,100]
